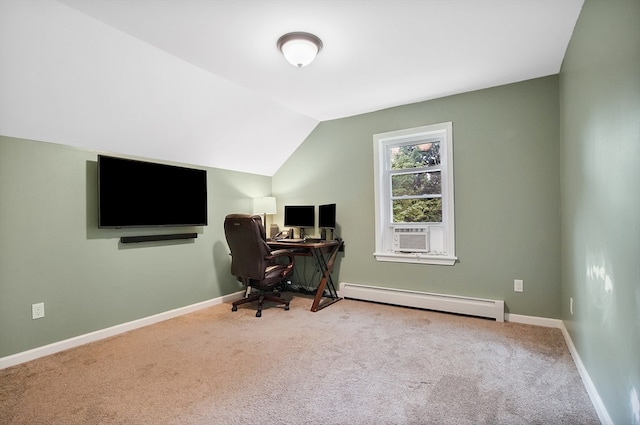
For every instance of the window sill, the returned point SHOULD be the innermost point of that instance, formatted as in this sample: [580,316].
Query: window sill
[416,258]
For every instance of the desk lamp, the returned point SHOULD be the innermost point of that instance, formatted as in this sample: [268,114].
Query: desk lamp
[264,205]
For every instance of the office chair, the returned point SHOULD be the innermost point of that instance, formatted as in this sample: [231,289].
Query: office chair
[253,262]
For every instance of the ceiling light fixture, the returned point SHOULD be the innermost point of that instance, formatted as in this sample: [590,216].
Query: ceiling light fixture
[299,48]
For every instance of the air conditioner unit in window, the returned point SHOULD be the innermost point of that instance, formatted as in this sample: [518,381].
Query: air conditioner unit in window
[411,239]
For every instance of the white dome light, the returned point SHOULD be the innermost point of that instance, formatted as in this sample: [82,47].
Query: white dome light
[299,48]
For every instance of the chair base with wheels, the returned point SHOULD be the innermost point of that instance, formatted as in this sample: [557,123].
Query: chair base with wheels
[261,297]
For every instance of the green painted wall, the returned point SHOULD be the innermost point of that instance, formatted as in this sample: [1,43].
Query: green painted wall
[51,250]
[600,163]
[507,195]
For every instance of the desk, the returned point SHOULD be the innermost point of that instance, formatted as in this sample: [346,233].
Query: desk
[324,254]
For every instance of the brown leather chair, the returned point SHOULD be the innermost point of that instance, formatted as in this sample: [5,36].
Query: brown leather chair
[253,262]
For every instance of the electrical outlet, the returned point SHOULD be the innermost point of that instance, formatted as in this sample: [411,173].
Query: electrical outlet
[37,310]
[518,285]
[571,305]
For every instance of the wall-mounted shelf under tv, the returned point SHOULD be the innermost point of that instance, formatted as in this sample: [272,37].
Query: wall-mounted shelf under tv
[153,238]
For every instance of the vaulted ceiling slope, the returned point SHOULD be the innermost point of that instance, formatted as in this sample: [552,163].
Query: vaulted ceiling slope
[201,81]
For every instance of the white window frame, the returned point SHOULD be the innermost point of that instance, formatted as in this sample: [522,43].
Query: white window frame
[384,227]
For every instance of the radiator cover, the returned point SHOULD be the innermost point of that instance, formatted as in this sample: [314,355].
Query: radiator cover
[480,307]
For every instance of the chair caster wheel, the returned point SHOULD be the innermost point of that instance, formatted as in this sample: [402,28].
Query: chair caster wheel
[286,307]
[234,308]
[259,314]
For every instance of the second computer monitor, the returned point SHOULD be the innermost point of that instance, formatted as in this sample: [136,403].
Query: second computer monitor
[327,216]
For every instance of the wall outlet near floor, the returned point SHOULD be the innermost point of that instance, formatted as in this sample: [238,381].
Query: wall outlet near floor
[571,305]
[37,311]
[518,285]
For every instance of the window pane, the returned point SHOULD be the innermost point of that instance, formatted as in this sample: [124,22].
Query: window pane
[415,156]
[417,210]
[416,184]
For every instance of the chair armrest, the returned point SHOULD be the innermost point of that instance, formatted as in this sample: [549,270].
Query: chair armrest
[281,253]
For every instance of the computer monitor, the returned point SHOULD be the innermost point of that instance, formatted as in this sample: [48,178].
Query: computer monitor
[300,216]
[327,216]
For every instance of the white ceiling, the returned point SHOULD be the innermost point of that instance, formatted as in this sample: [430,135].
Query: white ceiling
[202,82]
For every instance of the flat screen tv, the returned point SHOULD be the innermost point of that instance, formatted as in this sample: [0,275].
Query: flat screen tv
[134,193]
[327,216]
[300,216]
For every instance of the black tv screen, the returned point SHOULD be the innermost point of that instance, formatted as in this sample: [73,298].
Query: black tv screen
[134,193]
[299,215]
[327,216]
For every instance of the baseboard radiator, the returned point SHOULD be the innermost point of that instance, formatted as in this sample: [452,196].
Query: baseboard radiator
[480,307]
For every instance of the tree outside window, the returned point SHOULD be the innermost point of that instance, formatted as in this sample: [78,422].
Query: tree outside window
[416,189]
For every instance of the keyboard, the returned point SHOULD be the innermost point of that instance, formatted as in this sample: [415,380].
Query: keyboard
[292,240]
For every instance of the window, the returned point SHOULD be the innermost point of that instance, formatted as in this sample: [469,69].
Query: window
[413,171]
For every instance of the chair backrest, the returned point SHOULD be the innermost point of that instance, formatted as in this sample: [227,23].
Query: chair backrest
[246,238]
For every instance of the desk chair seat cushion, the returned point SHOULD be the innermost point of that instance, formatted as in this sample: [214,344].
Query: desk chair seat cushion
[275,273]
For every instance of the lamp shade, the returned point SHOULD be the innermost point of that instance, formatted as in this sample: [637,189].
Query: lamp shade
[264,205]
[299,48]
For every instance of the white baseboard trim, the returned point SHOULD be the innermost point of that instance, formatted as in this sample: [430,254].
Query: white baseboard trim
[79,340]
[534,320]
[601,410]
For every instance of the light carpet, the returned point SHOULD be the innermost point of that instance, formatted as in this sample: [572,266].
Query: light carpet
[351,363]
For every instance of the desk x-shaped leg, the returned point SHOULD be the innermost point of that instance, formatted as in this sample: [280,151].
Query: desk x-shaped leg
[326,266]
